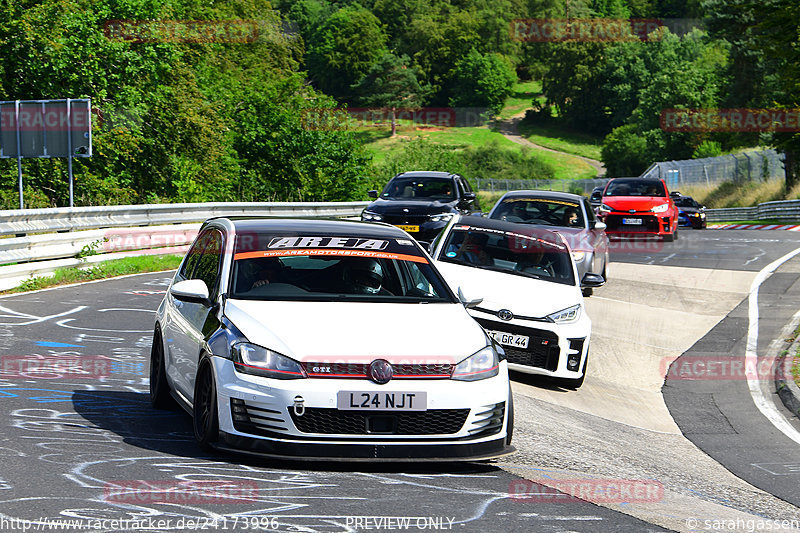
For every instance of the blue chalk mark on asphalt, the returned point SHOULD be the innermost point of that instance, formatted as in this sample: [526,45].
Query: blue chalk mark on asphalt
[48,344]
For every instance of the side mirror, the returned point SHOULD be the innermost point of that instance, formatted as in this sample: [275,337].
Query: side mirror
[599,225]
[591,280]
[469,196]
[191,290]
[425,245]
[372,194]
[467,302]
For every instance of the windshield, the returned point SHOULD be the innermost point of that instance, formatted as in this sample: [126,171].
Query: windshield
[509,252]
[324,268]
[541,211]
[420,187]
[685,202]
[635,187]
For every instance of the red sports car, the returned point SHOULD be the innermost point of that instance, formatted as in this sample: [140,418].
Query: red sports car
[633,207]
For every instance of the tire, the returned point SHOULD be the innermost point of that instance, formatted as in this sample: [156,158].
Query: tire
[510,428]
[675,235]
[160,396]
[669,237]
[204,409]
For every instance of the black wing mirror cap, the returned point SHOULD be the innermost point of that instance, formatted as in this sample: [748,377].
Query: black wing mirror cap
[372,194]
[591,280]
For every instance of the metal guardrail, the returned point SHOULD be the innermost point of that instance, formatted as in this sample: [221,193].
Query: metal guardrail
[579,186]
[783,210]
[23,221]
[47,239]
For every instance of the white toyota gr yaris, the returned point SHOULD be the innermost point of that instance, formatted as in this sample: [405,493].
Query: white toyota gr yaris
[327,338]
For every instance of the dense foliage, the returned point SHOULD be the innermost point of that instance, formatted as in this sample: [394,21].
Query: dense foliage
[176,120]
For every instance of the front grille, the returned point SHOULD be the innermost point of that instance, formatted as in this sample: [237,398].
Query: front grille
[406,219]
[649,223]
[333,421]
[359,370]
[542,351]
[256,420]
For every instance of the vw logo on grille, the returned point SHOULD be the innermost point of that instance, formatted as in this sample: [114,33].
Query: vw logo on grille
[380,371]
[405,210]
[505,314]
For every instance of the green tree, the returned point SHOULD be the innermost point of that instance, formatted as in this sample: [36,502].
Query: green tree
[624,152]
[390,83]
[481,80]
[343,49]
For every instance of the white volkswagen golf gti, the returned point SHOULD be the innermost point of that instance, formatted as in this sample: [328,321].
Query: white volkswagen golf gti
[327,338]
[531,294]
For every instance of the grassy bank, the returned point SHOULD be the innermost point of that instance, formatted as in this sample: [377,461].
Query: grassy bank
[107,269]
[521,98]
[731,194]
[556,138]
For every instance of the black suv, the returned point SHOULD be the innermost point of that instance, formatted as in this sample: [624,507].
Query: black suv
[422,203]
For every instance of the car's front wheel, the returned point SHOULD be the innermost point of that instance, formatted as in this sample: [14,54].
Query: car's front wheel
[205,420]
[160,397]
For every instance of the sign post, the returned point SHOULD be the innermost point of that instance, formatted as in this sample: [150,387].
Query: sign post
[46,128]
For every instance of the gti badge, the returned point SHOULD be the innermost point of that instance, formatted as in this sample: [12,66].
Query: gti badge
[505,314]
[380,371]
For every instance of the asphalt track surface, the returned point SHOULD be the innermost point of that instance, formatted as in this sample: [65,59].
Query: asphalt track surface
[749,250]
[89,447]
[81,445]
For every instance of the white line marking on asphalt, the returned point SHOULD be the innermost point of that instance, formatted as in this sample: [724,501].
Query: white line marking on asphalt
[751,356]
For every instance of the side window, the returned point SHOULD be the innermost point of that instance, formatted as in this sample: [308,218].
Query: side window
[193,256]
[208,265]
[465,185]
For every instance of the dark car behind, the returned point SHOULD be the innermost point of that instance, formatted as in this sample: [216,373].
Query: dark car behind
[690,212]
[422,202]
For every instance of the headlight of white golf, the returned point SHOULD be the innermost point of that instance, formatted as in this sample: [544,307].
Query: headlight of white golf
[253,359]
[480,365]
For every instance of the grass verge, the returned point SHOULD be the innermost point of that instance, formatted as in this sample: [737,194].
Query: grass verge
[730,194]
[107,269]
[556,138]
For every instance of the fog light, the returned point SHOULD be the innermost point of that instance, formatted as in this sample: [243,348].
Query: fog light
[574,354]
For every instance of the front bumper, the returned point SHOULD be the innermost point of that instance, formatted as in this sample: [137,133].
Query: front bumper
[550,345]
[693,221]
[462,420]
[652,224]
